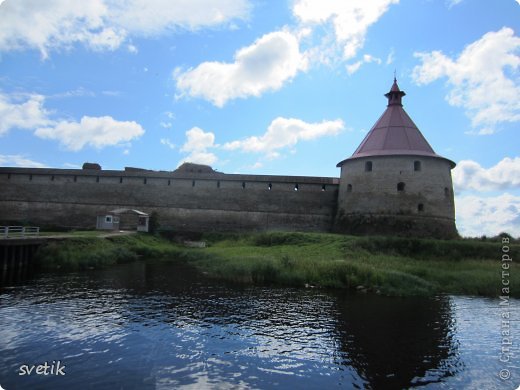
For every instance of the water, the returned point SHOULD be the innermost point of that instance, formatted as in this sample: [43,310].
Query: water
[161,326]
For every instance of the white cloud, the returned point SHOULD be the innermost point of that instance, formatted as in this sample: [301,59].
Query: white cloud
[482,78]
[391,57]
[93,131]
[452,3]
[168,143]
[17,160]
[27,112]
[267,64]
[22,112]
[490,216]
[351,19]
[165,125]
[285,133]
[367,59]
[197,143]
[105,24]
[469,175]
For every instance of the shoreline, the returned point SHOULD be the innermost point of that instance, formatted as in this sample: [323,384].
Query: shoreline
[390,266]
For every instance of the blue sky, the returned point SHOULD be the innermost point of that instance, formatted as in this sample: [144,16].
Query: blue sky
[267,87]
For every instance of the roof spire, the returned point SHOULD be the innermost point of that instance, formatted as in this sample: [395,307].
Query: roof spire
[395,95]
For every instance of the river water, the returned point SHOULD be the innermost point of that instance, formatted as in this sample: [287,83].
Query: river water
[153,325]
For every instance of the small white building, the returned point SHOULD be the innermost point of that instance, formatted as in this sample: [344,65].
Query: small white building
[124,219]
[107,222]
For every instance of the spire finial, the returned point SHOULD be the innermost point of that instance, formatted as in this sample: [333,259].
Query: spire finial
[395,94]
[395,77]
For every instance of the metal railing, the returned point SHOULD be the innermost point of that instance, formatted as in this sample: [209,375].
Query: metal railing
[19,231]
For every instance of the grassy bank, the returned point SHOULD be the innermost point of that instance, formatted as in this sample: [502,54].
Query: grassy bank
[387,265]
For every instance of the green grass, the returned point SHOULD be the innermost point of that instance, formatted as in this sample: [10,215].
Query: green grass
[385,265]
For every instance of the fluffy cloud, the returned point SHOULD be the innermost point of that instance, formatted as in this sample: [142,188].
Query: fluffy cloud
[273,59]
[469,175]
[104,24]
[28,112]
[491,216]
[17,160]
[367,59]
[351,19]
[482,78]
[168,143]
[283,133]
[22,112]
[197,144]
[93,131]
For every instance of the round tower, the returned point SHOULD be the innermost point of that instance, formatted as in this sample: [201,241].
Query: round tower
[395,183]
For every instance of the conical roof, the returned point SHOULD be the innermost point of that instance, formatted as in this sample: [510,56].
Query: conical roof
[394,133]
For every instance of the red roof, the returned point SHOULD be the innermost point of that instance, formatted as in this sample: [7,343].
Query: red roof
[394,133]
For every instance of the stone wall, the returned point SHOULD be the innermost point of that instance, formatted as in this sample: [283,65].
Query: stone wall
[371,201]
[183,201]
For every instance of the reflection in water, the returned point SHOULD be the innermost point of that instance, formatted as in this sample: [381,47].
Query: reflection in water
[399,342]
[162,326]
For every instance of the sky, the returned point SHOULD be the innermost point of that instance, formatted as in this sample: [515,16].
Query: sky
[285,87]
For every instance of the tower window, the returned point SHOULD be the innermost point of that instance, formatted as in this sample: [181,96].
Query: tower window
[97,179]
[75,179]
[416,165]
[323,187]
[243,184]
[120,179]
[296,187]
[420,207]
[368,166]
[52,178]
[270,187]
[349,187]
[169,182]
[144,180]
[446,192]
[30,177]
[400,186]
[193,183]
[218,184]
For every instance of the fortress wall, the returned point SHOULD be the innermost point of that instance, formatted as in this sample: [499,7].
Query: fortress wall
[200,202]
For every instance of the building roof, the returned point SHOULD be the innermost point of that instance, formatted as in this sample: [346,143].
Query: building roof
[394,133]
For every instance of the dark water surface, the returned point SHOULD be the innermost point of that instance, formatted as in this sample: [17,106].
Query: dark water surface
[160,326]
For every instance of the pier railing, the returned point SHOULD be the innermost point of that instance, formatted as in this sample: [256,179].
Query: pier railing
[19,231]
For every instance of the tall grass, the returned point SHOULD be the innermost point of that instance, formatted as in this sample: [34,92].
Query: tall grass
[385,265]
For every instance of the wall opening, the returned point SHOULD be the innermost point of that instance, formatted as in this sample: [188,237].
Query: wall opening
[30,177]
[323,187]
[400,186]
[120,179]
[349,187]
[416,165]
[144,180]
[420,207]
[270,187]
[75,179]
[368,166]
[97,179]
[52,178]
[446,192]
[169,182]
[218,184]
[296,187]
[193,183]
[8,176]
[243,184]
